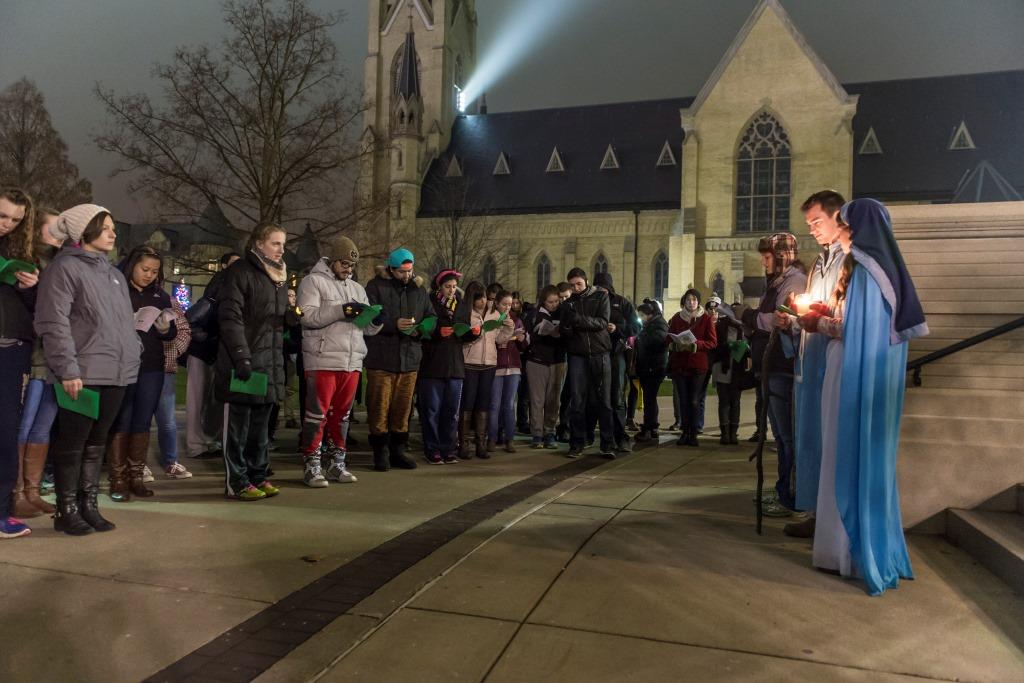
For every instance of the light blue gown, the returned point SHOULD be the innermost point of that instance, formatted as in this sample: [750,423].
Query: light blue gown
[859,504]
[810,374]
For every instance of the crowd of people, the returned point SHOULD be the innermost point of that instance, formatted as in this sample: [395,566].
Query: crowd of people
[89,352]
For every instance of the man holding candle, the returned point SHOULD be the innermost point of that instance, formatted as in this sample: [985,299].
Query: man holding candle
[821,212]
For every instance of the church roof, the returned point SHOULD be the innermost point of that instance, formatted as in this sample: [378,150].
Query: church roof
[212,227]
[637,131]
[914,121]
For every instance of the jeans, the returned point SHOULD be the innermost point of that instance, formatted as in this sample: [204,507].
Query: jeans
[166,424]
[246,459]
[140,403]
[15,362]
[590,388]
[503,407]
[703,399]
[38,413]
[688,390]
[780,414]
[618,395]
[650,386]
[729,396]
[439,414]
[476,389]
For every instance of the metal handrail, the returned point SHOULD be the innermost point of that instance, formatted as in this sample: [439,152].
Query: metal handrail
[918,363]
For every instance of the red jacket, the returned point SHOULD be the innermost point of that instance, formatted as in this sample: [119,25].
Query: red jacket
[684,362]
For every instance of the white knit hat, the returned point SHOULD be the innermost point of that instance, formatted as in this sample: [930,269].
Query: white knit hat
[73,222]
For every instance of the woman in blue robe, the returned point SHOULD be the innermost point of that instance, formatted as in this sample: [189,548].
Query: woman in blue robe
[874,313]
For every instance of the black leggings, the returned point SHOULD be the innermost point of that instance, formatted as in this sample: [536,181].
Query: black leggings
[76,431]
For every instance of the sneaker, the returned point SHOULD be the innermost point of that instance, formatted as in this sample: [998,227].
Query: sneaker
[537,444]
[631,426]
[451,458]
[47,484]
[249,493]
[608,452]
[13,528]
[549,443]
[674,427]
[624,447]
[177,471]
[775,509]
[769,496]
[268,489]
[337,470]
[435,459]
[574,452]
[147,474]
[313,475]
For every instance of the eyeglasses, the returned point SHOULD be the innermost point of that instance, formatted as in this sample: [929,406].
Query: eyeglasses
[347,264]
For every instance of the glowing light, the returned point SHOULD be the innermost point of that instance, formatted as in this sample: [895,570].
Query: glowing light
[460,98]
[533,22]
[802,303]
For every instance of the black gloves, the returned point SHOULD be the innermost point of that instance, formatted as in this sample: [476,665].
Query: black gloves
[353,309]
[243,370]
[381,317]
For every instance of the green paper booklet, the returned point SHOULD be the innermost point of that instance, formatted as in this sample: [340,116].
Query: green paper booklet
[494,324]
[87,403]
[255,385]
[461,329]
[425,327]
[9,268]
[366,317]
[738,349]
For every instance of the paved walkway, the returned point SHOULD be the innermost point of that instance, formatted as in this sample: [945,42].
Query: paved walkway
[642,569]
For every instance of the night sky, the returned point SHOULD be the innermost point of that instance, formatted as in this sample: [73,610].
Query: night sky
[600,51]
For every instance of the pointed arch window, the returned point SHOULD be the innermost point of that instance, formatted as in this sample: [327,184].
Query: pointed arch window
[600,265]
[490,272]
[543,274]
[718,285]
[660,275]
[763,176]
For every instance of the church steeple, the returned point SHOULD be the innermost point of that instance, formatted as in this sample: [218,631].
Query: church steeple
[407,116]
[409,74]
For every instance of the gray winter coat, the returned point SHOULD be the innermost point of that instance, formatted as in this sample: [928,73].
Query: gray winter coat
[329,340]
[84,317]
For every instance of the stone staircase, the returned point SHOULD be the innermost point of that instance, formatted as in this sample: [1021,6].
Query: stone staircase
[962,436]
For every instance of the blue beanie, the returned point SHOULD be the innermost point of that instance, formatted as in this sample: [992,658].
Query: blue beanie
[400,256]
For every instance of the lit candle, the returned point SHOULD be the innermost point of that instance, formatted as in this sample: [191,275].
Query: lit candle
[802,304]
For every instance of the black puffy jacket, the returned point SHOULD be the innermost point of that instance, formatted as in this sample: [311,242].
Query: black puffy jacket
[251,316]
[391,350]
[652,348]
[442,356]
[585,323]
[544,348]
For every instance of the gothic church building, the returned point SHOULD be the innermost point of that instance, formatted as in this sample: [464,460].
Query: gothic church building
[674,193]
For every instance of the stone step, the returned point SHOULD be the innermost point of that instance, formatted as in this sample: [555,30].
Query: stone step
[1013,309]
[936,474]
[1007,255]
[920,271]
[1010,500]
[968,296]
[941,382]
[951,368]
[975,244]
[970,356]
[972,322]
[968,431]
[971,282]
[963,403]
[995,539]
[1011,342]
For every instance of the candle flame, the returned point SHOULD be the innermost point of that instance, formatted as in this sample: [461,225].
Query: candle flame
[802,304]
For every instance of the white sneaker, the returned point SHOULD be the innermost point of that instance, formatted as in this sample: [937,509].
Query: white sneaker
[314,475]
[147,474]
[337,470]
[177,471]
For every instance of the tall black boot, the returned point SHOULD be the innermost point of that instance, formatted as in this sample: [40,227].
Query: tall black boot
[379,444]
[67,468]
[397,445]
[89,488]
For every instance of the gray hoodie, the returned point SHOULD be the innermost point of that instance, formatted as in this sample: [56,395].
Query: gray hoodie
[85,319]
[329,340]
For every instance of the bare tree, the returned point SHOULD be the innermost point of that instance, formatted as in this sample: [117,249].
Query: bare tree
[264,128]
[33,156]
[458,233]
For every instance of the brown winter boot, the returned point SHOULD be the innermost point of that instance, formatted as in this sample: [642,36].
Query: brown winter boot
[480,425]
[117,468]
[138,448]
[465,438]
[34,461]
[20,505]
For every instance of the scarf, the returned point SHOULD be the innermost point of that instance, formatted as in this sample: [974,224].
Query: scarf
[276,270]
[690,316]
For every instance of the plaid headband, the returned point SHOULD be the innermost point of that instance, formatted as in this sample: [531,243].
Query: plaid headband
[784,248]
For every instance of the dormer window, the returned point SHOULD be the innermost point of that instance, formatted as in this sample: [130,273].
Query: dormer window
[454,168]
[961,138]
[501,166]
[555,164]
[666,157]
[870,144]
[610,161]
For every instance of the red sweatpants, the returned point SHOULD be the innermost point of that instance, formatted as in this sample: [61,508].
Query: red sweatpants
[329,395]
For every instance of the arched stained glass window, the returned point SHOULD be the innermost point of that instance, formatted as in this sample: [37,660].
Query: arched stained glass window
[660,275]
[600,265]
[763,177]
[543,273]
